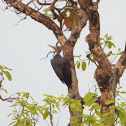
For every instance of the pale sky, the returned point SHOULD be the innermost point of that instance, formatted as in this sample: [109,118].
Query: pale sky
[23,45]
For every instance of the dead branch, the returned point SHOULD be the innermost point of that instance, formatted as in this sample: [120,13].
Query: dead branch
[39,17]
[9,99]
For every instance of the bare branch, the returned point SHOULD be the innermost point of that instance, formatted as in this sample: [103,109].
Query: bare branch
[50,115]
[19,21]
[120,66]
[9,99]
[39,17]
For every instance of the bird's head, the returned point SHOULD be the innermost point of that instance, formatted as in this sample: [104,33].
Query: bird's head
[56,48]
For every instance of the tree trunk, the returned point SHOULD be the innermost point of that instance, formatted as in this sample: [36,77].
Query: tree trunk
[104,75]
[107,76]
[73,90]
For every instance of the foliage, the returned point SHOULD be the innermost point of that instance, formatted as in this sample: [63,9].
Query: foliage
[4,72]
[107,45]
[71,18]
[66,14]
[26,112]
[94,118]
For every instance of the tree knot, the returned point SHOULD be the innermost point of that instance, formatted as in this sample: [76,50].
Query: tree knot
[103,76]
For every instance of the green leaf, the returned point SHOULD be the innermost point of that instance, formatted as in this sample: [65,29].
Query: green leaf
[120,87]
[1,67]
[30,124]
[109,38]
[78,65]
[119,49]
[89,62]
[101,38]
[26,95]
[122,116]
[33,110]
[98,113]
[4,67]
[113,44]
[41,111]
[47,9]
[123,92]
[88,97]
[118,107]
[106,114]
[22,123]
[7,68]
[12,123]
[50,15]
[97,106]
[46,114]
[110,44]
[14,105]
[92,100]
[9,114]
[72,105]
[101,43]
[83,66]
[8,75]
[112,107]
[0,84]
[106,36]
[74,119]
[109,102]
[120,53]
[54,111]
[4,90]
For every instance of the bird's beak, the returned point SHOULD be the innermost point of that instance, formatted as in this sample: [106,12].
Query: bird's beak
[54,47]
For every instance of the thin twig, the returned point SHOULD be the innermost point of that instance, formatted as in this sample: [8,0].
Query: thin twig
[47,123]
[122,98]
[50,115]
[114,59]
[19,21]
[9,99]
[88,56]
[57,122]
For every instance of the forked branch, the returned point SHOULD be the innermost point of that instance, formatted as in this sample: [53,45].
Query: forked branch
[39,17]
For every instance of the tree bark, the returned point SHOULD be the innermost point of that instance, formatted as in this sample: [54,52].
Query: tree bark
[107,76]
[66,44]
[104,75]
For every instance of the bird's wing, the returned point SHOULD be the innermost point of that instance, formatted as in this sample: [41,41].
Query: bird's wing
[57,64]
[67,72]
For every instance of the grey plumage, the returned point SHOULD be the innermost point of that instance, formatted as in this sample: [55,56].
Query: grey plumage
[61,66]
